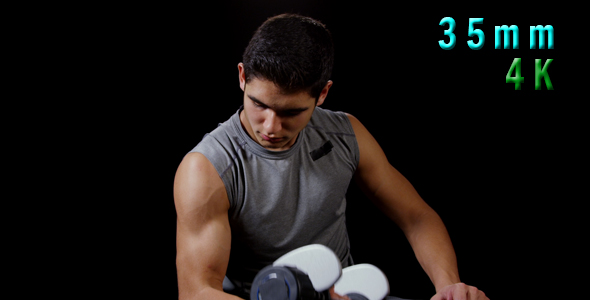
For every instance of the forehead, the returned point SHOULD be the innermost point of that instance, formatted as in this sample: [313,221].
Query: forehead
[270,94]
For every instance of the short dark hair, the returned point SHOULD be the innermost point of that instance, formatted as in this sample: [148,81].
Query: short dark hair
[293,51]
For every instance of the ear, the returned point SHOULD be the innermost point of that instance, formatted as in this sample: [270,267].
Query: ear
[324,93]
[242,76]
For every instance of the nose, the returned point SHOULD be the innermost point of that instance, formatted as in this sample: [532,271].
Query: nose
[272,123]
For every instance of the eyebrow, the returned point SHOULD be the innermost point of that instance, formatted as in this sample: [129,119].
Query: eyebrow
[295,109]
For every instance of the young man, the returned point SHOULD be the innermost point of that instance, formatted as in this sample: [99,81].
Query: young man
[274,176]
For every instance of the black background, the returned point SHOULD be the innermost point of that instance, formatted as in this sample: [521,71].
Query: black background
[501,167]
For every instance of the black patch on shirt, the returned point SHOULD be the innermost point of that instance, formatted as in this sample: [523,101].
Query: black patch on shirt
[321,151]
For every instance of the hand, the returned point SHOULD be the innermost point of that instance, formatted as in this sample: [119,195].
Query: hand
[334,296]
[459,291]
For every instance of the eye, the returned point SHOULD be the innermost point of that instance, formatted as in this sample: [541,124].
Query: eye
[256,104]
[291,113]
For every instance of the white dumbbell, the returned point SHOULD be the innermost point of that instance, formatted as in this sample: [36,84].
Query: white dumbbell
[319,262]
[363,279]
[310,271]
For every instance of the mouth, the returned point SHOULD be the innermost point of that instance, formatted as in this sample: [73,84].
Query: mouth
[269,139]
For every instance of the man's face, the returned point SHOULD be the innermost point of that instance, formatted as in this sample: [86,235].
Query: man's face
[274,119]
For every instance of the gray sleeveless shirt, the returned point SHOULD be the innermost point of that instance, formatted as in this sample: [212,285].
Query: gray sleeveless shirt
[282,200]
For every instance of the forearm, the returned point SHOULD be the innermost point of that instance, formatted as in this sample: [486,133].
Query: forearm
[199,278]
[193,286]
[432,246]
[211,293]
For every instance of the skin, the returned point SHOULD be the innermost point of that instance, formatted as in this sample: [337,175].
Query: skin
[274,119]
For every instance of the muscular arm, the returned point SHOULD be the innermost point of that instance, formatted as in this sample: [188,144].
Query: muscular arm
[396,197]
[203,234]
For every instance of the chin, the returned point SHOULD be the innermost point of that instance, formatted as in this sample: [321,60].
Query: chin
[273,147]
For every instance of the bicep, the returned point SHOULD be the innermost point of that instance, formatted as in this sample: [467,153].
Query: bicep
[203,232]
[382,183]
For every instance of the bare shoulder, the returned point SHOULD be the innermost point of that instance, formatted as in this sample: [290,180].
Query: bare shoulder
[197,183]
[196,161]
[373,167]
[360,130]
[353,120]
[368,146]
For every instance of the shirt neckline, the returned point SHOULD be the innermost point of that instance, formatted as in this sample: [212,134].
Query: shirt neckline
[256,148]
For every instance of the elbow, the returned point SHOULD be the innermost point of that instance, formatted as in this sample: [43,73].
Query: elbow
[423,221]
